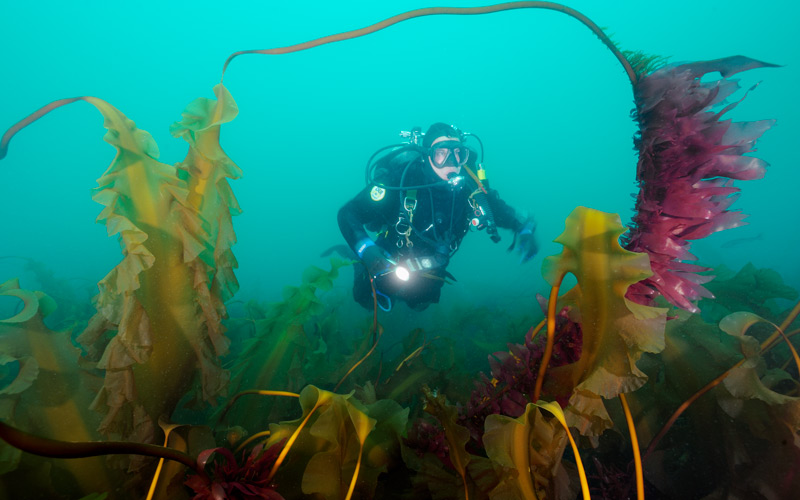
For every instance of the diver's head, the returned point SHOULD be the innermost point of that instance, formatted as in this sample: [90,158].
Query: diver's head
[445,150]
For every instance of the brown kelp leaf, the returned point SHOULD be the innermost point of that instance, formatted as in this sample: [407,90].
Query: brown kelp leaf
[330,438]
[615,330]
[281,344]
[587,413]
[26,372]
[49,394]
[457,435]
[383,442]
[165,299]
[749,289]
[745,381]
[527,454]
[31,302]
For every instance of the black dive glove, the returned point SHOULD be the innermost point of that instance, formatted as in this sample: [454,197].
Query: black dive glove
[526,241]
[376,259]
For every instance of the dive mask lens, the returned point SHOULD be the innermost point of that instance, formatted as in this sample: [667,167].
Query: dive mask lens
[449,154]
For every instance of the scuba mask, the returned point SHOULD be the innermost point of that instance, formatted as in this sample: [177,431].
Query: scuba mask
[448,154]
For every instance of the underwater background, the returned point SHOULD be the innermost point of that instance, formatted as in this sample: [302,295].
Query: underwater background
[549,102]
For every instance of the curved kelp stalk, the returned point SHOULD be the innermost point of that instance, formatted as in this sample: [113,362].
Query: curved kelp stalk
[624,57]
[64,449]
[616,331]
[165,299]
[688,156]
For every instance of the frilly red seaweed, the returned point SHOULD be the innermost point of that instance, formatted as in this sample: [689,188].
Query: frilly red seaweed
[688,160]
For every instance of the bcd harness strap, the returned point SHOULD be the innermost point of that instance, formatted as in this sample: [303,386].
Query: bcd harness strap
[404,220]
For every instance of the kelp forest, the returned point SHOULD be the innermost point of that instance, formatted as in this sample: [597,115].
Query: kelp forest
[652,376]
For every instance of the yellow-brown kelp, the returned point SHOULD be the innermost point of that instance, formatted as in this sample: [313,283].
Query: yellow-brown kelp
[616,331]
[49,395]
[165,299]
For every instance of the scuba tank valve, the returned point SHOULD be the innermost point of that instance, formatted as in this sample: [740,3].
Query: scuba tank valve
[414,136]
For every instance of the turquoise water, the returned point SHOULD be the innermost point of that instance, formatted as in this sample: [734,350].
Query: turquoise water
[549,101]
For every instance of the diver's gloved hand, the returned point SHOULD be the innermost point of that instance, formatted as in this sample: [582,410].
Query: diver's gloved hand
[526,241]
[376,259]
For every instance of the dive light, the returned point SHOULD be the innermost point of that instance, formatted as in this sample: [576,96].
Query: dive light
[400,272]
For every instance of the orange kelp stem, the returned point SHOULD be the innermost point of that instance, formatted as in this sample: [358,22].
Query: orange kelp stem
[259,392]
[252,438]
[637,457]
[323,400]
[437,11]
[551,332]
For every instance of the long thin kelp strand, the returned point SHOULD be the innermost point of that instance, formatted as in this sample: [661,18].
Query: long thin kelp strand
[290,442]
[765,346]
[534,331]
[788,336]
[260,392]
[11,132]
[436,11]
[156,476]
[352,487]
[555,409]
[377,331]
[637,457]
[791,347]
[551,333]
[791,317]
[358,363]
[684,406]
[374,311]
[62,449]
[784,325]
[251,439]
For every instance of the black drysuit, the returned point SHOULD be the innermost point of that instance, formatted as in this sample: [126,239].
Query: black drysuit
[440,217]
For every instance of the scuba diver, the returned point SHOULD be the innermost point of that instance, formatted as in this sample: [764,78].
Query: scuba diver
[421,198]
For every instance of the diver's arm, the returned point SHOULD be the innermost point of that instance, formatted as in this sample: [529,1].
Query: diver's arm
[523,227]
[364,210]
[504,214]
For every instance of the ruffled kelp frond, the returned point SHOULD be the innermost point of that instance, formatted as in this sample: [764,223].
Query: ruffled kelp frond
[175,230]
[43,391]
[165,299]
[615,331]
[527,453]
[688,159]
[207,227]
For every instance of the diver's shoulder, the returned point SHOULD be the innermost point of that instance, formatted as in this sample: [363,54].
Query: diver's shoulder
[392,169]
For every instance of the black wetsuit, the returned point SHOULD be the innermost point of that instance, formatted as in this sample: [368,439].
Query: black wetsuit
[440,218]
